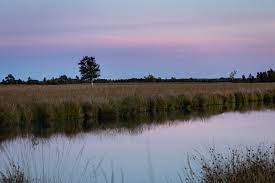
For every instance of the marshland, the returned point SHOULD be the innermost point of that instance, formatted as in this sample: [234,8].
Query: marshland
[100,91]
[110,132]
[240,141]
[47,105]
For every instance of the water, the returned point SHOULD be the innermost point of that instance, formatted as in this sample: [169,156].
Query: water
[156,154]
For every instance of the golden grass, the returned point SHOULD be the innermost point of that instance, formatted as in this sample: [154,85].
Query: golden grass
[21,105]
[18,94]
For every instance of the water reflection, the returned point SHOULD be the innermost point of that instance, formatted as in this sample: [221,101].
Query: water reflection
[145,151]
[134,126]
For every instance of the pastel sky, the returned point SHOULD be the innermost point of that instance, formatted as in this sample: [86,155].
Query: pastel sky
[182,38]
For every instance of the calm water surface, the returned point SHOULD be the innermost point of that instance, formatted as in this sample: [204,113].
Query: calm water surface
[156,154]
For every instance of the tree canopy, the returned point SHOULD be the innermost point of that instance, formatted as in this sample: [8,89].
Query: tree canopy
[89,69]
[10,79]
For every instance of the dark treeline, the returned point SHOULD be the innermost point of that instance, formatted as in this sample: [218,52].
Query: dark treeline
[267,76]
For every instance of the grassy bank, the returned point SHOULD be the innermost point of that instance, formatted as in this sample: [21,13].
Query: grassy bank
[44,106]
[137,125]
[134,126]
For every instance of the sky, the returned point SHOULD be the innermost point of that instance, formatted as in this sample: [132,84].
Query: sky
[180,38]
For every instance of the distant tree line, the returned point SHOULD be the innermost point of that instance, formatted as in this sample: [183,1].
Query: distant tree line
[90,71]
[267,76]
[63,79]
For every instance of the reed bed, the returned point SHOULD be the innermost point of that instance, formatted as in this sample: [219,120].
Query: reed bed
[43,106]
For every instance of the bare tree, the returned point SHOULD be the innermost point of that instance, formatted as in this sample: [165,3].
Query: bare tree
[232,75]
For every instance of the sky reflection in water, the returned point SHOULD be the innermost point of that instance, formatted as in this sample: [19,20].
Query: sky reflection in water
[152,155]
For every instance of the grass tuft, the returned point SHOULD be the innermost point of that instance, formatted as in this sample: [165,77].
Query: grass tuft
[14,175]
[247,165]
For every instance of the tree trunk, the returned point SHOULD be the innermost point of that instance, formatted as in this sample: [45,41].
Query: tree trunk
[92,83]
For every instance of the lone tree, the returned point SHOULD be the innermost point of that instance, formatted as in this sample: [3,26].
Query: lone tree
[89,69]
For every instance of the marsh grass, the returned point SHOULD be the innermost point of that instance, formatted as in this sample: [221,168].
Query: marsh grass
[134,125]
[14,174]
[240,165]
[45,106]
[42,162]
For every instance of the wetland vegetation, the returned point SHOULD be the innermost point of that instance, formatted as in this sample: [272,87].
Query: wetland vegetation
[239,165]
[137,125]
[137,91]
[245,164]
[37,111]
[46,106]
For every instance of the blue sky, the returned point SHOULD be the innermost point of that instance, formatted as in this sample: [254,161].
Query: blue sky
[182,38]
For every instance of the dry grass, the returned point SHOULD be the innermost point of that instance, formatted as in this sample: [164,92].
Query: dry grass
[240,165]
[22,105]
[82,93]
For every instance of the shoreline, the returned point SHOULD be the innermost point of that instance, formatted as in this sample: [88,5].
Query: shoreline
[44,107]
